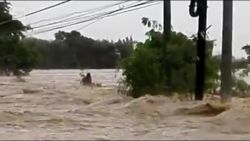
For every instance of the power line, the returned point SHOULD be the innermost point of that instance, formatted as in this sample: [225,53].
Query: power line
[46,8]
[70,19]
[103,15]
[37,11]
[85,26]
[89,24]
[106,15]
[103,7]
[63,21]
[100,14]
[118,14]
[80,12]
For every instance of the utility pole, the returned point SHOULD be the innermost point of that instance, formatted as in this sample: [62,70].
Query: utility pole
[201,12]
[167,20]
[166,33]
[226,58]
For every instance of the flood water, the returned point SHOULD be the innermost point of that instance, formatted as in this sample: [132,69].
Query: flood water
[51,104]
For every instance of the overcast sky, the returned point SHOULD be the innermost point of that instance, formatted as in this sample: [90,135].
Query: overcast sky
[129,24]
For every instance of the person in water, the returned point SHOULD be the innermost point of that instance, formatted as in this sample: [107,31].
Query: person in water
[87,80]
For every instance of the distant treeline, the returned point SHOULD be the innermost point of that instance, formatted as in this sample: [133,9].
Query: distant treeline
[73,50]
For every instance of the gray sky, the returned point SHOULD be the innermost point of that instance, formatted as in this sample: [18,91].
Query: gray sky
[129,24]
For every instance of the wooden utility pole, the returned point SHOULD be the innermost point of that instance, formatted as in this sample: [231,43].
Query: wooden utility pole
[226,57]
[167,20]
[166,33]
[201,51]
[200,12]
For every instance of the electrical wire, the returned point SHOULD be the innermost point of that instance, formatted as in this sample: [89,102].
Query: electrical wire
[106,15]
[46,8]
[37,11]
[99,17]
[79,12]
[68,20]
[85,26]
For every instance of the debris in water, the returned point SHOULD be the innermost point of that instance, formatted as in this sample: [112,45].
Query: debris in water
[207,109]
[31,91]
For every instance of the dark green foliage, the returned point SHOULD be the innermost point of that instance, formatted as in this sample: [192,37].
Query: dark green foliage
[72,50]
[25,58]
[14,56]
[180,62]
[146,76]
[143,70]
[212,75]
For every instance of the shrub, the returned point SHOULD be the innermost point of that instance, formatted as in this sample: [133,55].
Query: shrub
[150,71]
[142,71]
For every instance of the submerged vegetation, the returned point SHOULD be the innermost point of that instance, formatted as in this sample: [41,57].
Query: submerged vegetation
[143,69]
[149,67]
[144,74]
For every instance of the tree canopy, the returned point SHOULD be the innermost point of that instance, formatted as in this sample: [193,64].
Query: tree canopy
[73,50]
[144,69]
[13,55]
[149,71]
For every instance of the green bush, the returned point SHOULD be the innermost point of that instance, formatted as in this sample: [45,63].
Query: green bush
[150,71]
[142,71]
[25,58]
[14,56]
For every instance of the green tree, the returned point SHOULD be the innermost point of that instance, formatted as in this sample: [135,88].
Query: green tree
[14,56]
[73,50]
[144,72]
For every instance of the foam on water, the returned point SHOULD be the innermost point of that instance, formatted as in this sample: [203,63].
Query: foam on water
[51,104]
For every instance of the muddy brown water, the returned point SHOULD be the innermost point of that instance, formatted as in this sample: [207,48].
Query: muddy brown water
[51,104]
